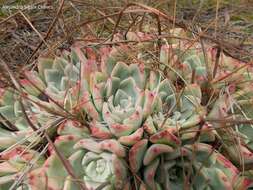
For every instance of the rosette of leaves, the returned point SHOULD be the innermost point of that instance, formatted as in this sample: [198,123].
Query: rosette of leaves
[234,126]
[128,101]
[14,166]
[14,128]
[185,61]
[130,94]
[226,87]
[54,80]
[95,163]
[185,114]
[43,94]
[232,110]
[161,163]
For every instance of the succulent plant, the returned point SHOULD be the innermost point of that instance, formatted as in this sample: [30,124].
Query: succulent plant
[14,127]
[54,81]
[230,105]
[17,162]
[129,119]
[95,163]
[11,112]
[227,92]
[196,166]
[132,94]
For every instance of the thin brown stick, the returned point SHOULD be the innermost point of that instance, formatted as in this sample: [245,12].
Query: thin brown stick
[100,187]
[130,26]
[209,75]
[153,10]
[193,76]
[159,30]
[8,123]
[217,60]
[9,17]
[135,41]
[232,121]
[216,18]
[48,32]
[36,31]
[230,74]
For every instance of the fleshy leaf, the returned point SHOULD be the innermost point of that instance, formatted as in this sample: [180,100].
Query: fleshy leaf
[154,151]
[113,146]
[133,138]
[136,155]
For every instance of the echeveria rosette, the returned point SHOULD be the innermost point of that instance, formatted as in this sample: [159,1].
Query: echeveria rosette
[94,162]
[235,103]
[239,146]
[66,84]
[185,113]
[11,111]
[188,62]
[184,59]
[229,72]
[132,93]
[105,164]
[55,78]
[14,163]
[40,92]
[14,127]
[242,104]
[237,100]
[163,165]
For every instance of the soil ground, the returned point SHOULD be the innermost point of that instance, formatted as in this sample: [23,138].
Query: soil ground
[31,28]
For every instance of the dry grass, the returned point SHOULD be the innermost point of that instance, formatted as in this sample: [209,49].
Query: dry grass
[22,31]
